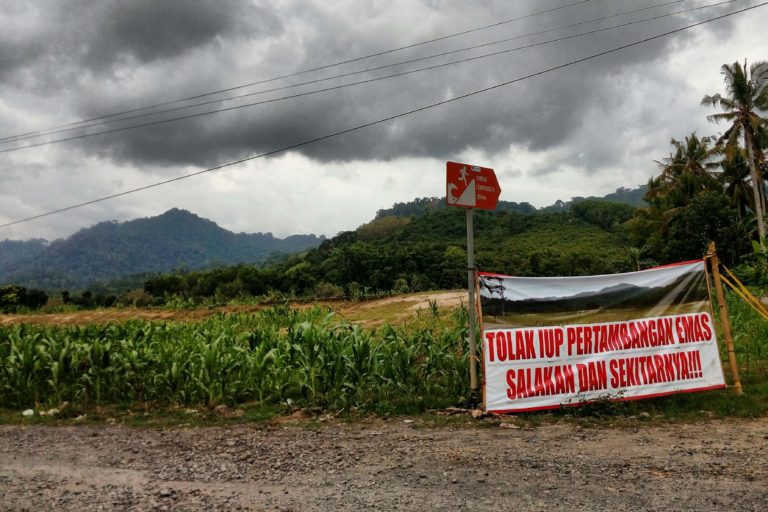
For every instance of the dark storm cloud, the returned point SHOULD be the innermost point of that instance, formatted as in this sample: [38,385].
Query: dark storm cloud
[151,29]
[98,35]
[114,39]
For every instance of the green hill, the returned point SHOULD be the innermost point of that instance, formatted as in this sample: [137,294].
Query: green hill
[415,246]
[629,196]
[428,251]
[13,252]
[177,239]
[420,206]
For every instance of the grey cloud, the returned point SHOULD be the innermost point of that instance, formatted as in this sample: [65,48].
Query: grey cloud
[148,30]
[99,35]
[510,173]
[540,114]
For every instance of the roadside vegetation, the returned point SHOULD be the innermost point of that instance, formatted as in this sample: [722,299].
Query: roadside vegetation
[283,359]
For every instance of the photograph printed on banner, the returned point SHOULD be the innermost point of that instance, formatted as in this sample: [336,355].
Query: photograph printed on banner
[508,301]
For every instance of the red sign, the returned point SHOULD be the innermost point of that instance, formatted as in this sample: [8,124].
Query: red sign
[470,186]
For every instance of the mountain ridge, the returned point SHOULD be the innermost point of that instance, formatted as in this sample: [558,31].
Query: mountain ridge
[179,240]
[109,250]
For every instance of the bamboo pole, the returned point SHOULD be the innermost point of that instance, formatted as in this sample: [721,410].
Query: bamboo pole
[724,318]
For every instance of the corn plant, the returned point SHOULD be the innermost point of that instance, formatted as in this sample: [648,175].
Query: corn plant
[300,356]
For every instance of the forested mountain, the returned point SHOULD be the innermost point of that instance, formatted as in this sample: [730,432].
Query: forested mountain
[428,251]
[421,245]
[177,239]
[629,196]
[420,206]
[412,246]
[12,252]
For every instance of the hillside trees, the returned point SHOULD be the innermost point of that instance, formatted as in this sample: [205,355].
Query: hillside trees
[424,253]
[606,215]
[695,199]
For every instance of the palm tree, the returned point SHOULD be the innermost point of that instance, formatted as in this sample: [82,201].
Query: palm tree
[688,170]
[636,256]
[735,180]
[693,156]
[746,96]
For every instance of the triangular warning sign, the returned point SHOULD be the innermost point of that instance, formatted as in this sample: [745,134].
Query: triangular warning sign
[468,197]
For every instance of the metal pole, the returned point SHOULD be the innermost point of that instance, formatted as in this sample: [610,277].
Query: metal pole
[472,310]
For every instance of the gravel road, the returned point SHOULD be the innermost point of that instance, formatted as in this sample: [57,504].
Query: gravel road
[386,465]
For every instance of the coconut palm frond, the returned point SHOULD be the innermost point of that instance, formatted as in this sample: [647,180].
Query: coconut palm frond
[673,212]
[759,73]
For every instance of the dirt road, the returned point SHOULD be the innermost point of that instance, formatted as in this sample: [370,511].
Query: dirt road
[386,465]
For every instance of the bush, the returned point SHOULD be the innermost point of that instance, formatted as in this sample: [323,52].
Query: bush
[325,290]
[14,298]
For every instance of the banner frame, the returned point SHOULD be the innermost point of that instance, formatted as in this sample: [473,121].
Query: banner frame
[725,319]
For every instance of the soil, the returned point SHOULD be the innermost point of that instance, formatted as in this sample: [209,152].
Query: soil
[367,313]
[398,464]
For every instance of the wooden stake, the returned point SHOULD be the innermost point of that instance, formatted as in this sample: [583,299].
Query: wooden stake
[724,318]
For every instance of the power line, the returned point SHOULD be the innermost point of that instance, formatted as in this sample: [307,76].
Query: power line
[361,82]
[54,131]
[305,71]
[385,119]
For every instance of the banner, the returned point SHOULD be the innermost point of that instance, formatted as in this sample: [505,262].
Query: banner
[549,342]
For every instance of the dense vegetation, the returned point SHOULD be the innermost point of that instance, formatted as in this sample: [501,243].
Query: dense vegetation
[17,298]
[280,355]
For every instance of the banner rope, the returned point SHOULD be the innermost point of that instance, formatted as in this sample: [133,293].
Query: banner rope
[742,291]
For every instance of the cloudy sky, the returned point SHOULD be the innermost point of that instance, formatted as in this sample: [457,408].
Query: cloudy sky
[582,130]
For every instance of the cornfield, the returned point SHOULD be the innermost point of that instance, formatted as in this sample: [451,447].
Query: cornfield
[280,355]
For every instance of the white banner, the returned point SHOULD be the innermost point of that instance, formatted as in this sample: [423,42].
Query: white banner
[532,367]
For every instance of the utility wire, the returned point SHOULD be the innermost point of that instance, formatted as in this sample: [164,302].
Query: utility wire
[385,119]
[310,70]
[54,131]
[360,82]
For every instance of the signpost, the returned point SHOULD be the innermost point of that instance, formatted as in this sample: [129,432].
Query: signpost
[470,186]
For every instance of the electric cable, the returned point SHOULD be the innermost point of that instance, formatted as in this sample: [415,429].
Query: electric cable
[311,70]
[361,82]
[54,131]
[385,119]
